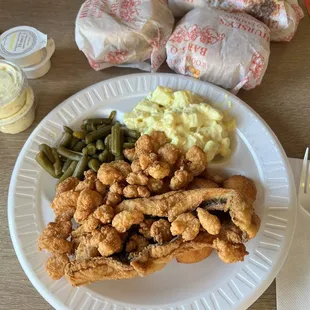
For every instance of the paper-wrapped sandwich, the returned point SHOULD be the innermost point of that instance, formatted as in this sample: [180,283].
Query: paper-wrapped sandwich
[129,33]
[227,49]
[282,17]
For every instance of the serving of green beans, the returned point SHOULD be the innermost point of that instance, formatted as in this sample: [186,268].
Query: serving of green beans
[98,140]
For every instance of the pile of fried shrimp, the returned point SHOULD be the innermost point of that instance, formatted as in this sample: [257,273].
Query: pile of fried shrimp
[134,216]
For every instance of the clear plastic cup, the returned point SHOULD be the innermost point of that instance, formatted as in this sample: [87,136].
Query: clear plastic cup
[13,89]
[22,119]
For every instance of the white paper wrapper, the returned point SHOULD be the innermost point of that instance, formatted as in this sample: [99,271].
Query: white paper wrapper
[131,33]
[282,17]
[227,49]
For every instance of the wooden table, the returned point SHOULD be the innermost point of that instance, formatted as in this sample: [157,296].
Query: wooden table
[283,100]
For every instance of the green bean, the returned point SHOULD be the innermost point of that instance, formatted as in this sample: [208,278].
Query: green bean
[44,162]
[103,157]
[95,156]
[73,142]
[80,167]
[91,147]
[112,115]
[119,157]
[131,140]
[131,133]
[94,164]
[66,139]
[116,137]
[69,154]
[98,121]
[90,127]
[99,145]
[57,163]
[128,145]
[85,150]
[97,134]
[79,146]
[47,152]
[107,142]
[68,173]
[66,165]
[68,130]
[81,134]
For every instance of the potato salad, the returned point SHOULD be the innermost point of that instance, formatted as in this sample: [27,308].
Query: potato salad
[186,119]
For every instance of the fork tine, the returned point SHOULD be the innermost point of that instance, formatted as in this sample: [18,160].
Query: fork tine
[304,173]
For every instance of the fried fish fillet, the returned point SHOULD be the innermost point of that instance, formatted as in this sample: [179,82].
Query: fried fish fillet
[97,269]
[175,203]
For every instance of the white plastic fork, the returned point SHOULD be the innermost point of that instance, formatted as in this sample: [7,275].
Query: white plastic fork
[304,186]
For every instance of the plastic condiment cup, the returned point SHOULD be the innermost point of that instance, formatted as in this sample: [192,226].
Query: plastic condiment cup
[38,70]
[13,85]
[21,120]
[22,45]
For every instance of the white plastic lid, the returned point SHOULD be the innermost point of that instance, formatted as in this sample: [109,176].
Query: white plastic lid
[45,57]
[21,41]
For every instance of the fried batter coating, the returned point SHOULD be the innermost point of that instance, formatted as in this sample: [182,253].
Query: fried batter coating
[112,199]
[201,183]
[59,229]
[86,184]
[180,180]
[187,225]
[144,145]
[135,166]
[194,256]
[125,219]
[107,174]
[197,160]
[136,243]
[100,188]
[169,153]
[155,186]
[159,170]
[117,188]
[181,163]
[135,191]
[159,139]
[104,214]
[137,178]
[90,224]
[107,240]
[242,185]
[63,217]
[160,231]
[147,159]
[232,233]
[87,202]
[65,202]
[129,154]
[154,257]
[228,252]
[55,265]
[112,172]
[67,185]
[85,250]
[145,228]
[54,245]
[209,222]
[97,269]
[213,178]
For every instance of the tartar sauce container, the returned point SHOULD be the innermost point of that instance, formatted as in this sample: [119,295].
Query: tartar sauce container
[22,119]
[38,70]
[13,87]
[23,45]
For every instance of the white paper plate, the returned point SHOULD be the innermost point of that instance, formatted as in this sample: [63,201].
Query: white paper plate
[207,285]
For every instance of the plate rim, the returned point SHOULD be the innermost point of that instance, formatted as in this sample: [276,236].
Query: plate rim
[246,302]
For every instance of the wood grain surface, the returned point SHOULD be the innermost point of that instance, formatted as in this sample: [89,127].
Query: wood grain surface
[283,100]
